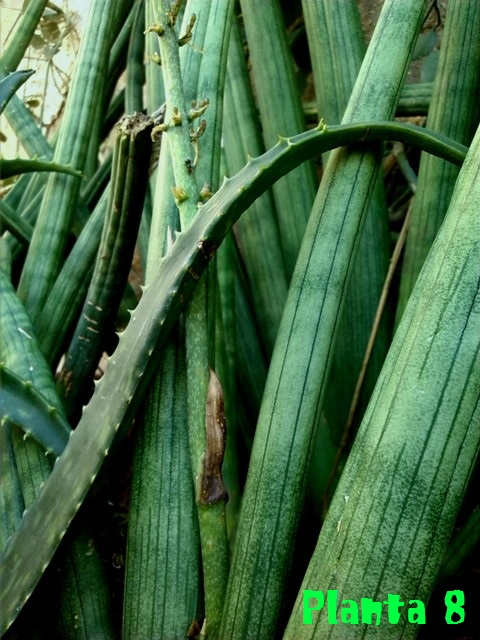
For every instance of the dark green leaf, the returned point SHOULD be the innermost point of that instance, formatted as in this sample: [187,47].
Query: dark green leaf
[11,84]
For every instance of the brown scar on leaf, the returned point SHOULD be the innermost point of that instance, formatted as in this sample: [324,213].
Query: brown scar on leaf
[212,488]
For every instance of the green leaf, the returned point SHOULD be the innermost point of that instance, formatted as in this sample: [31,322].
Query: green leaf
[11,84]
[132,365]
[9,168]
[395,505]
[23,405]
[425,44]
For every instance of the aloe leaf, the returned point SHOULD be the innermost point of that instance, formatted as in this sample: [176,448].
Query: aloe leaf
[396,502]
[118,394]
[23,405]
[19,350]
[15,167]
[10,84]
[455,112]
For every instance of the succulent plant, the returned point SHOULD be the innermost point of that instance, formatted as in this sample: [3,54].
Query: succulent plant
[187,364]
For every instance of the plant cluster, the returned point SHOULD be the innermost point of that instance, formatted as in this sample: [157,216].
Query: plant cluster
[298,375]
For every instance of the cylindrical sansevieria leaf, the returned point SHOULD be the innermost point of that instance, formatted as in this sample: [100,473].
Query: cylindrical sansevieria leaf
[203,73]
[226,365]
[127,191]
[257,232]
[397,499]
[120,32]
[12,222]
[81,590]
[211,37]
[414,101]
[27,130]
[337,48]
[281,114]
[56,215]
[195,158]
[12,504]
[454,111]
[10,59]
[13,53]
[162,594]
[462,544]
[299,369]
[135,62]
[155,95]
[67,295]
[336,45]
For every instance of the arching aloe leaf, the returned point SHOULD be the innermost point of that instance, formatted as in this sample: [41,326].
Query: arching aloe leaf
[9,168]
[23,405]
[12,83]
[119,392]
